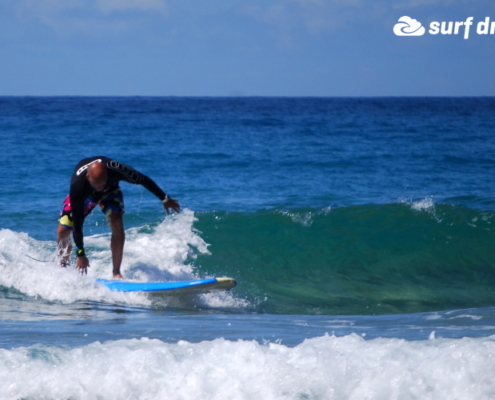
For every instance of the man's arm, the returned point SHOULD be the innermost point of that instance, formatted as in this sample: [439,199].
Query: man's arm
[77,206]
[131,175]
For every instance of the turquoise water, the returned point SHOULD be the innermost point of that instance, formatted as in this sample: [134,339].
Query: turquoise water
[360,232]
[368,259]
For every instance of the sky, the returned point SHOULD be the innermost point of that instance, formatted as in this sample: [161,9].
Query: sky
[247,48]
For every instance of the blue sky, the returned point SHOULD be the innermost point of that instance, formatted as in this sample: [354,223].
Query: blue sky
[240,47]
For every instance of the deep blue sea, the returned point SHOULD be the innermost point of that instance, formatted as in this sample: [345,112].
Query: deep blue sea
[361,233]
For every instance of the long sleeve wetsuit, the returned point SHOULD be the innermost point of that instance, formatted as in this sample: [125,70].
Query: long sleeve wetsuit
[80,189]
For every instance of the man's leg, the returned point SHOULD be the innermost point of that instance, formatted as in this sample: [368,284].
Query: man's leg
[64,230]
[116,222]
[64,244]
[113,207]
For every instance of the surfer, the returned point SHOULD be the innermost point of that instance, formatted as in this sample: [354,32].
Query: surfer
[95,181]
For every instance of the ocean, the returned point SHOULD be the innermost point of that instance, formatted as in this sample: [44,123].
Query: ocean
[360,231]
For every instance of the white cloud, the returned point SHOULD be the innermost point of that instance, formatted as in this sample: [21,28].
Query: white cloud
[109,6]
[421,3]
[40,7]
[314,16]
[89,17]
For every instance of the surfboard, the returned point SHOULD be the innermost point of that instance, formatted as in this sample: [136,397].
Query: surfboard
[178,287]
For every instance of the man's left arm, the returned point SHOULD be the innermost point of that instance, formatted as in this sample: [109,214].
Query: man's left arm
[131,175]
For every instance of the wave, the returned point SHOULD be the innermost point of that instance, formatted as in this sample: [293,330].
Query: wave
[319,368]
[404,257]
[29,269]
[369,259]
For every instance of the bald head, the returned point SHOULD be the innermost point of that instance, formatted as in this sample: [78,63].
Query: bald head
[97,176]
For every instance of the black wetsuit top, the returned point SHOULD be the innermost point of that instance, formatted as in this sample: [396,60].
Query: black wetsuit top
[80,190]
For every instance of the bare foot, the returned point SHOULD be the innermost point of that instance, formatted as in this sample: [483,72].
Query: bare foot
[118,276]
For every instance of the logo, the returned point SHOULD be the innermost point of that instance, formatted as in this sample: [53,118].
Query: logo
[409,27]
[85,167]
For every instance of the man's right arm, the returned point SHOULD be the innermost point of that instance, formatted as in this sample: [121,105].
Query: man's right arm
[82,262]
[77,206]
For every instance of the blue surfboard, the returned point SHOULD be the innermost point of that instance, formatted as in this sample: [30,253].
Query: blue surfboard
[180,287]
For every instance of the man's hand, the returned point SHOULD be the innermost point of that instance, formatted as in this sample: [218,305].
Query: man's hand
[173,204]
[82,264]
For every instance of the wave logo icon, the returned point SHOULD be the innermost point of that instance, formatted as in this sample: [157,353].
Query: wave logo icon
[407,26]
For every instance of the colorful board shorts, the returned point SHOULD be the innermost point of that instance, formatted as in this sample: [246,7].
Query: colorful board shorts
[112,202]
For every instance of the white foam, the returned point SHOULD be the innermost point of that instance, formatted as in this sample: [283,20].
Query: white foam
[32,268]
[150,254]
[157,254]
[425,204]
[304,218]
[326,367]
